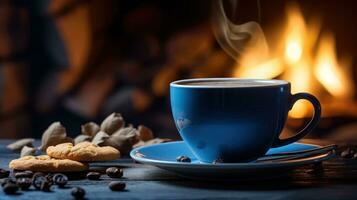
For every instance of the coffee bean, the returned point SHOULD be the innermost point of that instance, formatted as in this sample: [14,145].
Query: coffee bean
[24,174]
[46,186]
[347,153]
[354,156]
[78,192]
[37,181]
[117,186]
[7,180]
[183,159]
[24,183]
[30,173]
[217,161]
[114,172]
[50,178]
[38,174]
[10,188]
[4,173]
[60,180]
[93,176]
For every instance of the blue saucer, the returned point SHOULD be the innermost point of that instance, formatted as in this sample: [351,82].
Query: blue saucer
[164,156]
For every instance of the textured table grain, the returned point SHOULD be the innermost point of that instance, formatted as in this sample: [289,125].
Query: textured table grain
[337,179]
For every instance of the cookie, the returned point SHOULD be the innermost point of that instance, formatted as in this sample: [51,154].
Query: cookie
[45,163]
[83,151]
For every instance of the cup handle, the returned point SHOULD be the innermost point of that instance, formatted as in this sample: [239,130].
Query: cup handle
[311,125]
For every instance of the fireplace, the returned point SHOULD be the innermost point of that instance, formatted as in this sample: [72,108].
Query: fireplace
[299,49]
[79,62]
[306,56]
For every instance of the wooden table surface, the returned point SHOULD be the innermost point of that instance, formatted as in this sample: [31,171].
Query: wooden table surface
[336,179]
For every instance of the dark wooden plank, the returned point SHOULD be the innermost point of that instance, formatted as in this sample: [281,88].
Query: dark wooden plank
[335,180]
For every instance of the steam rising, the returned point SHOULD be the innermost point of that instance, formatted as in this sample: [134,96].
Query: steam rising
[237,39]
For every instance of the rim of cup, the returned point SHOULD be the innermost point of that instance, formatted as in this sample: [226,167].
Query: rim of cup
[259,83]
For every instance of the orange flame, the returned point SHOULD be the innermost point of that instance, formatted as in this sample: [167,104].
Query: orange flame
[333,75]
[321,74]
[294,36]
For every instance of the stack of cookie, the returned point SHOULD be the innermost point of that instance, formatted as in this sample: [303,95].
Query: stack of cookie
[66,157]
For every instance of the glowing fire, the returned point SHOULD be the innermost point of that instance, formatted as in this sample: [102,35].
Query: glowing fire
[333,75]
[321,73]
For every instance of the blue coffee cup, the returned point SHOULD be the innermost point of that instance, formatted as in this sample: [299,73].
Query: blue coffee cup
[235,120]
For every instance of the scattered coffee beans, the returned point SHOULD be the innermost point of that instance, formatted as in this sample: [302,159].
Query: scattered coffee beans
[183,159]
[10,188]
[46,186]
[117,186]
[355,155]
[38,180]
[114,172]
[24,183]
[24,174]
[7,180]
[347,153]
[4,173]
[38,174]
[78,192]
[93,176]
[50,178]
[30,173]
[60,180]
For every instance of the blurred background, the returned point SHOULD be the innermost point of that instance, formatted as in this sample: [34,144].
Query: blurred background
[76,61]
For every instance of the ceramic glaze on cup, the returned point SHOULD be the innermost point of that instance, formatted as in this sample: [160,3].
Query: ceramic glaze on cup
[235,120]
